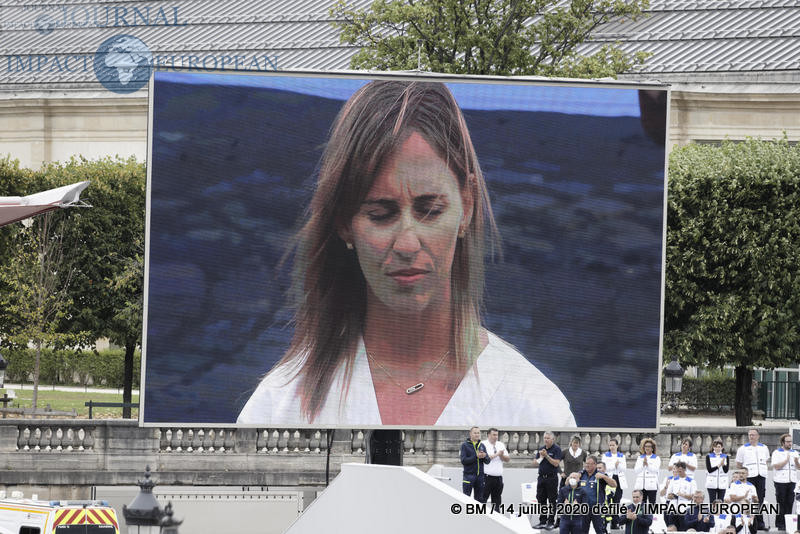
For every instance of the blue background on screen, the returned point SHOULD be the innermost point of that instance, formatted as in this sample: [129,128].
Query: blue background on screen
[576,190]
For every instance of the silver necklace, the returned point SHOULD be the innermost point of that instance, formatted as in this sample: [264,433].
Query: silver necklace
[415,387]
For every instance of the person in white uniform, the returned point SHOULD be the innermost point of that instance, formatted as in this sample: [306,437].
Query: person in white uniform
[686,456]
[754,456]
[388,273]
[717,465]
[680,491]
[742,491]
[722,520]
[615,468]
[498,455]
[647,469]
[785,462]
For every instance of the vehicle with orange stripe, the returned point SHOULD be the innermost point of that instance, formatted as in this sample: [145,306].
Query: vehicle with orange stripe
[32,516]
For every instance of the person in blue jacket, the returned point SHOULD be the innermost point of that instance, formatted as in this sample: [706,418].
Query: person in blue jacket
[594,484]
[634,521]
[474,459]
[693,518]
[572,494]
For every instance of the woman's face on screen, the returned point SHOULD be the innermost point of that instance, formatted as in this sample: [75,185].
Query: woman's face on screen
[405,232]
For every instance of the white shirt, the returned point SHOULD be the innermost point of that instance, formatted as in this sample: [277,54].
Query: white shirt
[721,522]
[502,389]
[717,479]
[740,488]
[787,473]
[615,464]
[495,465]
[665,487]
[685,485]
[743,520]
[754,459]
[647,475]
[690,459]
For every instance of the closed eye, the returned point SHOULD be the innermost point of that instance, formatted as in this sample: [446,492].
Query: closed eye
[430,206]
[380,210]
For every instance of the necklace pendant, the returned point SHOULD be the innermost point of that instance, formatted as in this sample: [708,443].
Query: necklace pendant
[415,388]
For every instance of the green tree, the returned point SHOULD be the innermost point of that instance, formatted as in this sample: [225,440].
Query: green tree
[501,37]
[104,246]
[37,277]
[14,181]
[733,259]
[109,251]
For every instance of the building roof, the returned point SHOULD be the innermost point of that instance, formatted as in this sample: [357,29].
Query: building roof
[49,46]
[291,34]
[699,37]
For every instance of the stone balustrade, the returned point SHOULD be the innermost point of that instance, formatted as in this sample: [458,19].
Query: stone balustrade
[76,435]
[83,453]
[199,440]
[65,436]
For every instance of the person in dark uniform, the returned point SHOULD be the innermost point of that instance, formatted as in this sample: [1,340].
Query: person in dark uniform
[594,484]
[571,493]
[474,459]
[693,518]
[634,521]
[548,459]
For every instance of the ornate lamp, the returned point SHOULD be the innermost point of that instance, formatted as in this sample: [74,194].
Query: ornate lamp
[168,524]
[673,377]
[144,513]
[673,374]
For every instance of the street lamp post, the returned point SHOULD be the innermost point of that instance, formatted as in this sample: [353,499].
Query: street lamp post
[673,376]
[168,524]
[144,514]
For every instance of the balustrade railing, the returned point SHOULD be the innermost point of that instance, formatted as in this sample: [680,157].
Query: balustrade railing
[112,452]
[197,440]
[47,437]
[77,436]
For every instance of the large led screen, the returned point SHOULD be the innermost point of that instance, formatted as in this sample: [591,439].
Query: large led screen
[363,251]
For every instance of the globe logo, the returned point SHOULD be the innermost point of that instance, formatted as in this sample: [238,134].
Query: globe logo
[44,24]
[122,64]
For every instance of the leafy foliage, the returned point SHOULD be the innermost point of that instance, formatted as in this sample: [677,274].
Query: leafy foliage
[733,243]
[109,245]
[108,285]
[104,250]
[707,393]
[71,367]
[37,277]
[13,182]
[501,37]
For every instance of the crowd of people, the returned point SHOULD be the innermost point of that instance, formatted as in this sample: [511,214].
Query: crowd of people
[575,477]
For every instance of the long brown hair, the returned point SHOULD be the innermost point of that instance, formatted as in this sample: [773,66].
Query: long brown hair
[328,289]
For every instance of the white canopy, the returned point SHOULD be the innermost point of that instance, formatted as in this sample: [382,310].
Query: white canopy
[13,209]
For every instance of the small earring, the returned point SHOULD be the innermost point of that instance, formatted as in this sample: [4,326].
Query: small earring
[349,245]
[461,233]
